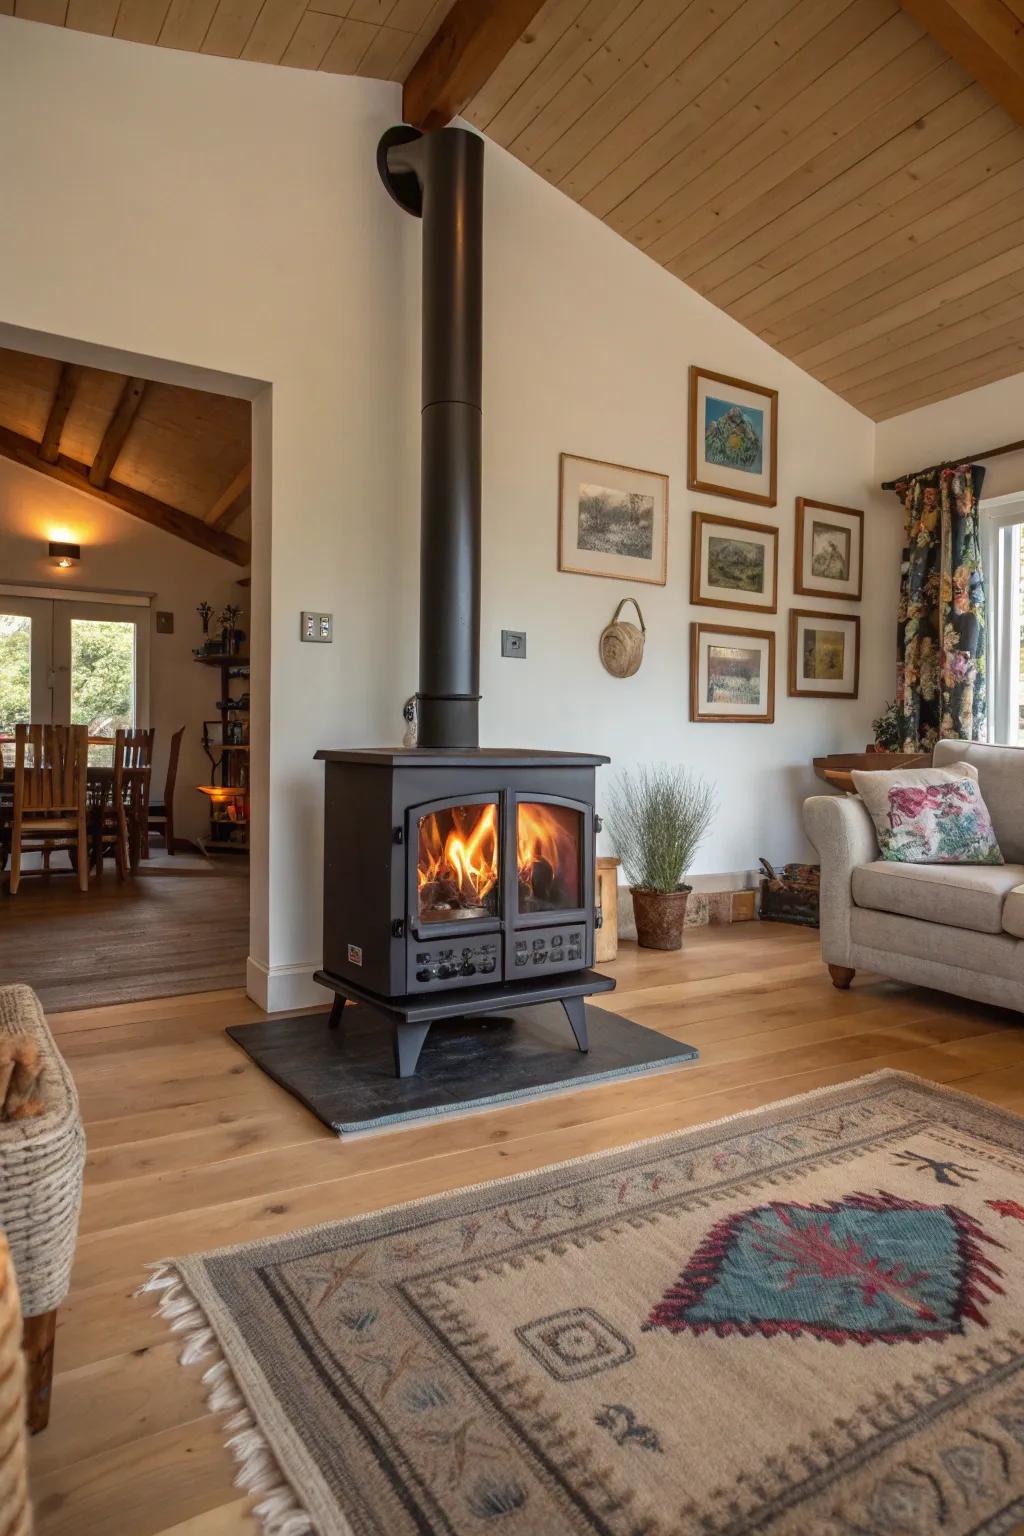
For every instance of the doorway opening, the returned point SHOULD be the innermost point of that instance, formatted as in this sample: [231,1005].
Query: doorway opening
[126,629]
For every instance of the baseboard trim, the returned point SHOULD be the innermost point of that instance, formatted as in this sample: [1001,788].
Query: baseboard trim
[276,988]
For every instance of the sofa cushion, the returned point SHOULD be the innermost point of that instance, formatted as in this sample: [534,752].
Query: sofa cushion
[961,895]
[1013,912]
[994,954]
[873,786]
[1001,780]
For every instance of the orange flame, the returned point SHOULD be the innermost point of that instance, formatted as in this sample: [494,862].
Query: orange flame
[542,836]
[466,858]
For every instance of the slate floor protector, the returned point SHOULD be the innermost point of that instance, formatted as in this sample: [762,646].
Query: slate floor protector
[347,1077]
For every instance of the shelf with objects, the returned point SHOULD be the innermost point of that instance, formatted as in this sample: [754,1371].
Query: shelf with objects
[225,738]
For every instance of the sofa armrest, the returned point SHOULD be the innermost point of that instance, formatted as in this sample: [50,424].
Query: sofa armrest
[844,835]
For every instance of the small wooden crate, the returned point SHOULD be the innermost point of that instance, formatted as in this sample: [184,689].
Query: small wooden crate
[606,939]
[790,895]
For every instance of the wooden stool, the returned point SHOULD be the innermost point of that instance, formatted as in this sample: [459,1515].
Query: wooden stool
[606,939]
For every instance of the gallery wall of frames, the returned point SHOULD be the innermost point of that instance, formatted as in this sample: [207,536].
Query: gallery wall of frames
[614,522]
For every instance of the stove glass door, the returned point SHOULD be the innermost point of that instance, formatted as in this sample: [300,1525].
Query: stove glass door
[457,863]
[549,856]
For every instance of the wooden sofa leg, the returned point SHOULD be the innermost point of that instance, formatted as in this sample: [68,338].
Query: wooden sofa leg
[37,1345]
[841,975]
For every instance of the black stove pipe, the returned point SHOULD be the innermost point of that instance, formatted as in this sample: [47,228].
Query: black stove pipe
[439,177]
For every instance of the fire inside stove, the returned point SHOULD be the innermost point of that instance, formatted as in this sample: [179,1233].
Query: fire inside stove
[458,864]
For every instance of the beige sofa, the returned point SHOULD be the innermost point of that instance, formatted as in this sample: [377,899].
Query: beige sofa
[958,927]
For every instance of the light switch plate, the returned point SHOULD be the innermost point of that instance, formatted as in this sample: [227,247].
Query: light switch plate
[317,628]
[513,643]
[164,623]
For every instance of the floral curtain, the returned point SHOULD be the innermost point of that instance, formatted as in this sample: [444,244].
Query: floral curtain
[941,634]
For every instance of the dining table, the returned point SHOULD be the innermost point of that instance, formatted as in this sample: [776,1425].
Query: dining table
[100,786]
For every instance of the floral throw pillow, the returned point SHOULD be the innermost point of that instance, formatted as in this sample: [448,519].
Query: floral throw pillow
[939,824]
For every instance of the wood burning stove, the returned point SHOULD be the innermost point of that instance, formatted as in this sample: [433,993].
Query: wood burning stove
[455,882]
[457,879]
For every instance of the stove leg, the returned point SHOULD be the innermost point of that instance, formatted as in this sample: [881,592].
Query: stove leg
[576,1013]
[337,1009]
[408,1042]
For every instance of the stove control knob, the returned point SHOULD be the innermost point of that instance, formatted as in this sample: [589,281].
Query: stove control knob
[488,965]
[422,975]
[468,968]
[444,971]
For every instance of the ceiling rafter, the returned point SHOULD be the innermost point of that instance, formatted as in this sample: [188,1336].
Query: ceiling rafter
[23,450]
[233,500]
[63,399]
[986,38]
[461,57]
[117,430]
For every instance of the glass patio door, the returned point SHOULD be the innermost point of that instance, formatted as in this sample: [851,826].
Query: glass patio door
[26,635]
[100,666]
[69,662]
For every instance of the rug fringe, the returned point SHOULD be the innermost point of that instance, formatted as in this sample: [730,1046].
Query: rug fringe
[279,1511]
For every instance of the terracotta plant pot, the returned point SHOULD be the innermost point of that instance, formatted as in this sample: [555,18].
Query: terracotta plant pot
[660,916]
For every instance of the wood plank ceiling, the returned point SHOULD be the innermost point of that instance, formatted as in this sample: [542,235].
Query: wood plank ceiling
[178,459]
[823,170]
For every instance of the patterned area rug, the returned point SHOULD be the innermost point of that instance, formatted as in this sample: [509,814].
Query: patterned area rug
[809,1318]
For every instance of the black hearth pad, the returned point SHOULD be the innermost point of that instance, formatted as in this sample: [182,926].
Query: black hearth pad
[347,1078]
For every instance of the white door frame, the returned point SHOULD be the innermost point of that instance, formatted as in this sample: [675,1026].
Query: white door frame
[40,612]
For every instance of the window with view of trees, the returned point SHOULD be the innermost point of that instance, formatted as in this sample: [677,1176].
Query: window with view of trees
[15,671]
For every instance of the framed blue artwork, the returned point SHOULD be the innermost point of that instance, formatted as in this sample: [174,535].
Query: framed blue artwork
[733,438]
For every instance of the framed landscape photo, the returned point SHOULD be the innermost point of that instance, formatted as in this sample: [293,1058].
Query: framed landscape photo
[734,564]
[733,438]
[829,550]
[824,654]
[612,521]
[732,674]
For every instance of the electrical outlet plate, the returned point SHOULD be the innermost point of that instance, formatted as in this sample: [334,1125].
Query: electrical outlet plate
[317,628]
[513,643]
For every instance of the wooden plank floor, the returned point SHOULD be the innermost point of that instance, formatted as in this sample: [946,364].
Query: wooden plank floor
[191,1147]
[178,925]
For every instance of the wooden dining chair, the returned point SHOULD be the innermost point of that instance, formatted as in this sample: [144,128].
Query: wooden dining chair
[48,810]
[160,815]
[122,818]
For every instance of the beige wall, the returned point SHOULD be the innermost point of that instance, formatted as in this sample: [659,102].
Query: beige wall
[119,553]
[241,227]
[968,423]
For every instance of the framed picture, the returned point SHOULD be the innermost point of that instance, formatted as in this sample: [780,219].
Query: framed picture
[734,430]
[732,674]
[612,521]
[829,550]
[824,654]
[734,564]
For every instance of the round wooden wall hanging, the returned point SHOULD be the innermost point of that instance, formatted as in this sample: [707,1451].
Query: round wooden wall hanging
[622,644]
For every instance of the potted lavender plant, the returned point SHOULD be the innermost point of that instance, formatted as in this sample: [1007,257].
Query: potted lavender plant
[657,818]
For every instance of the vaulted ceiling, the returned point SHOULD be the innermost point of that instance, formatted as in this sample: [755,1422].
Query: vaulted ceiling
[178,459]
[844,177]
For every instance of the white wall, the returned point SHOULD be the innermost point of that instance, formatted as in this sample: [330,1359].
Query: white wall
[242,227]
[119,553]
[968,423]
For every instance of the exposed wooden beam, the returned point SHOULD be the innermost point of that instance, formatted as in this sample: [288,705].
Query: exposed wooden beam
[22,450]
[117,430]
[461,57]
[223,512]
[986,37]
[67,387]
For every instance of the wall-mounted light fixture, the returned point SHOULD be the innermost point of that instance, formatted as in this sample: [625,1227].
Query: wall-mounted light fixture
[65,556]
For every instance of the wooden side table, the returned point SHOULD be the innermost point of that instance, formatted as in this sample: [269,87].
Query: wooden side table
[835,768]
[606,939]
